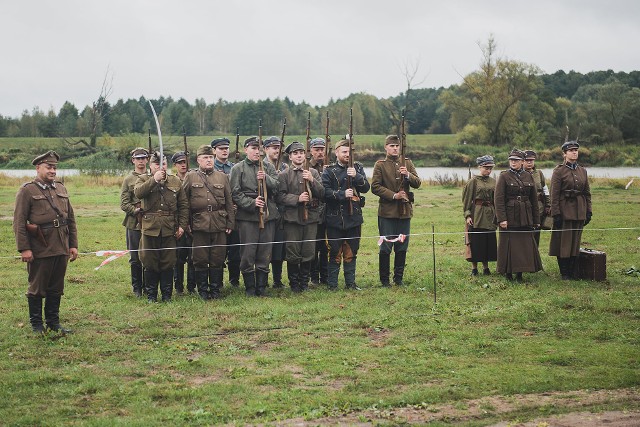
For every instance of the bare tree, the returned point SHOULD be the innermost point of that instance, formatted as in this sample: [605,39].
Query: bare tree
[410,71]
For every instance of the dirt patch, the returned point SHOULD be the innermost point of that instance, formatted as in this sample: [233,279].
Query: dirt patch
[510,409]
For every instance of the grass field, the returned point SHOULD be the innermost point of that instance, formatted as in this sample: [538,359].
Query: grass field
[321,356]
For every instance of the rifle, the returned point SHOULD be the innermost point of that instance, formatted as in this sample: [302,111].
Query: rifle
[237,142]
[262,185]
[327,139]
[403,162]
[186,150]
[150,148]
[279,159]
[350,162]
[307,159]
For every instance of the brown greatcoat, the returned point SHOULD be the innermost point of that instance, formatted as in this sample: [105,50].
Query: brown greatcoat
[386,181]
[544,200]
[210,201]
[158,201]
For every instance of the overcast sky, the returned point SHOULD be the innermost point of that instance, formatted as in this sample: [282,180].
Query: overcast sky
[54,51]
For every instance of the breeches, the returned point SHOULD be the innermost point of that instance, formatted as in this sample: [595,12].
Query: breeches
[343,244]
[46,276]
[301,243]
[158,253]
[392,228]
[133,244]
[209,249]
[255,249]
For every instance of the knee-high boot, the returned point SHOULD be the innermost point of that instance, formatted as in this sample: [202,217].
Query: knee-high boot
[52,314]
[384,261]
[276,270]
[178,277]
[261,283]
[166,284]
[151,279]
[35,314]
[136,279]
[293,272]
[234,273]
[305,269]
[249,279]
[333,270]
[191,277]
[350,275]
[398,267]
[215,282]
[202,281]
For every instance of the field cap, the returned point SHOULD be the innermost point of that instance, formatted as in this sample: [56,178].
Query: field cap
[155,157]
[272,140]
[252,140]
[485,161]
[570,144]
[220,142]
[178,157]
[139,153]
[391,139]
[294,146]
[342,143]
[317,142]
[205,150]
[516,154]
[50,157]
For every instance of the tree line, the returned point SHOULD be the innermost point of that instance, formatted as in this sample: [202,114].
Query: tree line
[504,102]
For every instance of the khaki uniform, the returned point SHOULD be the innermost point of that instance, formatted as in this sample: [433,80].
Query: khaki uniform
[387,180]
[477,203]
[129,203]
[320,261]
[233,239]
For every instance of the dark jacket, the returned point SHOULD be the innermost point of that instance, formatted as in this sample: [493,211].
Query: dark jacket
[516,199]
[570,193]
[334,181]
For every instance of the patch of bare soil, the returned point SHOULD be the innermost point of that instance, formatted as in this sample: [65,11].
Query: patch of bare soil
[509,409]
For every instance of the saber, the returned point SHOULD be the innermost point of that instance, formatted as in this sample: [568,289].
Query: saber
[155,116]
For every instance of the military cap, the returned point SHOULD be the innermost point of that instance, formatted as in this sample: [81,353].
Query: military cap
[516,154]
[50,157]
[530,154]
[205,150]
[220,142]
[252,140]
[570,144]
[272,140]
[139,153]
[155,157]
[485,161]
[294,146]
[178,157]
[342,143]
[317,142]
[391,139]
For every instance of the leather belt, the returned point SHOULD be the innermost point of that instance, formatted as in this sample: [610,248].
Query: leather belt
[56,223]
[208,208]
[518,198]
[480,202]
[160,213]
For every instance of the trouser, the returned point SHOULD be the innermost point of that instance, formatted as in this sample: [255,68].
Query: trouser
[255,252]
[46,276]
[320,258]
[343,247]
[233,257]
[158,253]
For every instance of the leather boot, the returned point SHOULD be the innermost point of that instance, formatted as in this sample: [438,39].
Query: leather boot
[563,265]
[572,268]
[323,264]
[151,279]
[333,270]
[35,314]
[305,269]
[215,282]
[191,277]
[398,267]
[261,283]
[314,270]
[136,279]
[234,273]
[293,272]
[350,275]
[202,281]
[178,277]
[166,284]
[384,261]
[52,314]
[276,270]
[249,279]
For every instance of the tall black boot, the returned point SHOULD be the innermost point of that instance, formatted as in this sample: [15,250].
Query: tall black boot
[136,279]
[384,261]
[261,283]
[563,265]
[350,275]
[573,267]
[234,273]
[323,263]
[35,314]
[202,281]
[314,270]
[151,279]
[398,267]
[293,272]
[249,279]
[215,282]
[178,277]
[276,270]
[52,314]
[333,271]
[305,269]
[191,277]
[166,284]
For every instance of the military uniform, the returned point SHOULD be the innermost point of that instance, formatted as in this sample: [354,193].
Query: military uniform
[166,208]
[255,250]
[320,262]
[183,249]
[299,233]
[343,229]
[47,206]
[394,216]
[477,203]
[571,211]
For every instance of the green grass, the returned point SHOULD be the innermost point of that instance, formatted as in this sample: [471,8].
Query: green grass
[319,354]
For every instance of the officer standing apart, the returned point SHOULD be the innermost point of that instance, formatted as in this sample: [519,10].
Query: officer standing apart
[570,208]
[343,223]
[223,164]
[395,208]
[130,204]
[212,219]
[47,239]
[272,147]
[255,249]
[542,191]
[165,218]
[183,252]
[300,215]
[320,261]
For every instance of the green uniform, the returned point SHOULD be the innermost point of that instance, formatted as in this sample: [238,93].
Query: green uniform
[129,203]
[477,203]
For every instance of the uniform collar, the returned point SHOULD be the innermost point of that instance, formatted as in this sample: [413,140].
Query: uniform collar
[572,166]
[45,185]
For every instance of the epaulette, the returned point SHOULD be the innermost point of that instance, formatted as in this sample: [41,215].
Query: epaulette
[27,183]
[381,160]
[505,171]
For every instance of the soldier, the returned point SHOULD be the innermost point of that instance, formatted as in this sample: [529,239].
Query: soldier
[516,206]
[255,242]
[570,208]
[300,215]
[222,164]
[272,147]
[130,204]
[47,238]
[212,219]
[395,208]
[183,252]
[343,223]
[165,218]
[320,260]
[542,191]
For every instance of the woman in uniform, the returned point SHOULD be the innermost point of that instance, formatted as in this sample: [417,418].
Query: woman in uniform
[570,208]
[479,214]
[544,200]
[517,214]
